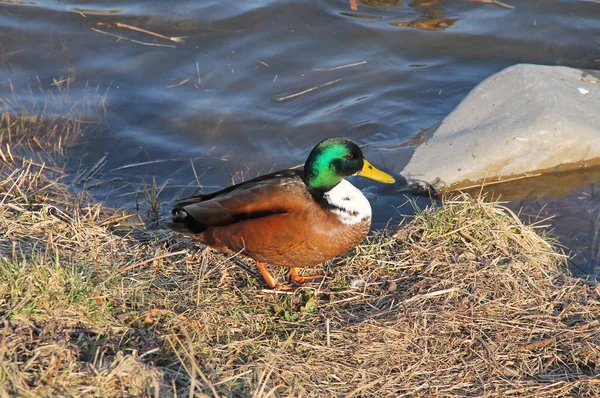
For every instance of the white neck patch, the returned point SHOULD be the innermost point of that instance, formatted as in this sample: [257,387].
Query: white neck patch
[349,203]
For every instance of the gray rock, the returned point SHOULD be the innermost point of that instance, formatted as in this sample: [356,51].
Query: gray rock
[524,119]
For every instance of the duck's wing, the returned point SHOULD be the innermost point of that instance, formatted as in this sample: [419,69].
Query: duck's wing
[277,193]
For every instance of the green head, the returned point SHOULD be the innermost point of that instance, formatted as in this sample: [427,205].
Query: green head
[334,159]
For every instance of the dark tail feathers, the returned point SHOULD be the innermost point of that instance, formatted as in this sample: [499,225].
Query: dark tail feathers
[184,223]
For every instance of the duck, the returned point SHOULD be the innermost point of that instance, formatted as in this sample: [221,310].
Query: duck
[289,218]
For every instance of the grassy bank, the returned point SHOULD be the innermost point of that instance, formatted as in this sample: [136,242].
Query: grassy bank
[463,300]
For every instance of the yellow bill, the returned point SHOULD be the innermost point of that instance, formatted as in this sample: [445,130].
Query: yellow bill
[373,173]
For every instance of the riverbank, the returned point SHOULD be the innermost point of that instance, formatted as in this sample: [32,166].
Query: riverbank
[462,300]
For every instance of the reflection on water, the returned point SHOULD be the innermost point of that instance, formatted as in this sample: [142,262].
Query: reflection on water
[202,112]
[384,3]
[429,15]
[360,16]
[432,23]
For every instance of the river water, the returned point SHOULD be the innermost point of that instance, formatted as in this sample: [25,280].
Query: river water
[256,84]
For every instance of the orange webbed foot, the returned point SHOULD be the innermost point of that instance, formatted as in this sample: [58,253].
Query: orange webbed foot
[296,279]
[299,280]
[272,282]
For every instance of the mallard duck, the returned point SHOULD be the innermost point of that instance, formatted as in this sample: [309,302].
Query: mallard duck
[289,218]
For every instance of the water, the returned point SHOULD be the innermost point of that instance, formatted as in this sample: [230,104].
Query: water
[219,98]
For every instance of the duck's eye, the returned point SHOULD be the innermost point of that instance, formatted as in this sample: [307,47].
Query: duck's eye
[349,156]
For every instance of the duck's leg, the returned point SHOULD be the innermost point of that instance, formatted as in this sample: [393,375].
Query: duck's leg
[300,280]
[269,279]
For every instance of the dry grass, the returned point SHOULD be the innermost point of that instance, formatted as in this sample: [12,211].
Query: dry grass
[464,300]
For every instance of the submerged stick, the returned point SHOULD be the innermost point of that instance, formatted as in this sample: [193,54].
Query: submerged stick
[342,66]
[178,40]
[99,164]
[149,162]
[37,143]
[133,41]
[308,90]
[184,81]
[97,184]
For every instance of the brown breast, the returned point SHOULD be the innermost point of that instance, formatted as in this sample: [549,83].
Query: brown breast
[302,238]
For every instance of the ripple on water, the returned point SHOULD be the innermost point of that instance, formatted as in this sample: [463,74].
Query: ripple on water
[257,83]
